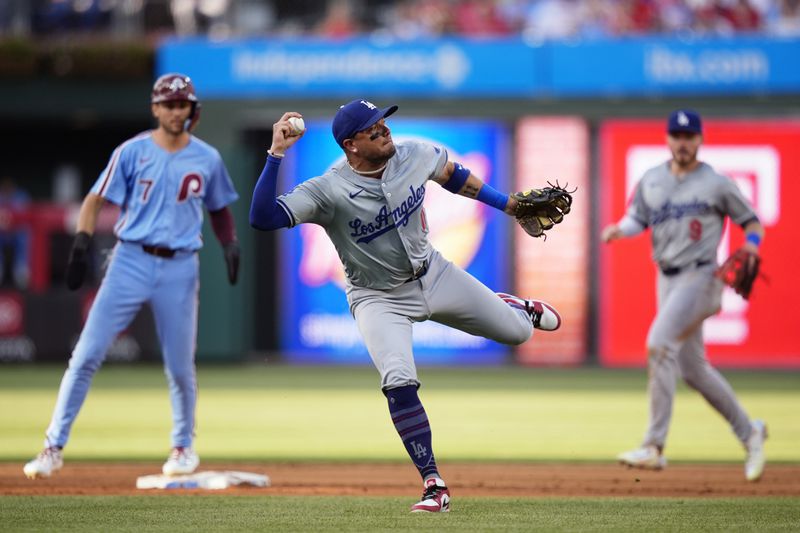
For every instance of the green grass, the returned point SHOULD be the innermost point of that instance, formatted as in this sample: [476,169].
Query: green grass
[306,413]
[291,413]
[318,513]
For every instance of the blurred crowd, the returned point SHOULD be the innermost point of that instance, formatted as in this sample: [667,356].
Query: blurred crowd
[405,19]
[586,19]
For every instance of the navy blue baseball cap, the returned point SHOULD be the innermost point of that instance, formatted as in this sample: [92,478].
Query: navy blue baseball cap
[356,116]
[684,120]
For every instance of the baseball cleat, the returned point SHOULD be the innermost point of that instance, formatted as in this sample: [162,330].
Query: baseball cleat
[49,460]
[755,461]
[543,315]
[646,457]
[435,498]
[182,461]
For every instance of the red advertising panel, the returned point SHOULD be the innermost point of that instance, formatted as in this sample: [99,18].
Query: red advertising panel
[764,160]
[555,270]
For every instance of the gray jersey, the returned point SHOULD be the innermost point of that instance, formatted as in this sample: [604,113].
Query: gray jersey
[378,226]
[687,216]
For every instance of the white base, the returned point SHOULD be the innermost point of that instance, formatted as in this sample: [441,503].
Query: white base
[202,480]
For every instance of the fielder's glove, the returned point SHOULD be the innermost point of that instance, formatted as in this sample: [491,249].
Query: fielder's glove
[739,271]
[539,209]
[231,251]
[78,261]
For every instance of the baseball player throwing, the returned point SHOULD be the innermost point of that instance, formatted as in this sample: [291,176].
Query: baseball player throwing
[370,205]
[161,179]
[684,202]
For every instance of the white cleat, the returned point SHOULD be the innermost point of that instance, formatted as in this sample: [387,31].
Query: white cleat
[543,315]
[755,461]
[49,460]
[646,457]
[435,498]
[181,462]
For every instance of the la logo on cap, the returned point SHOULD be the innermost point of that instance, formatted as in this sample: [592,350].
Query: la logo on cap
[683,120]
[369,104]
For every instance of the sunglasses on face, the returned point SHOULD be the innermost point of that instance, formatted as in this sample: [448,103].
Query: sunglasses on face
[378,129]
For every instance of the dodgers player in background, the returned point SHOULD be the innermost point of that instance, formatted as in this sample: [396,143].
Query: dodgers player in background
[685,202]
[161,179]
[370,205]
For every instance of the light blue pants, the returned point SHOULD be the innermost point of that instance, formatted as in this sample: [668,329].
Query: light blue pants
[133,278]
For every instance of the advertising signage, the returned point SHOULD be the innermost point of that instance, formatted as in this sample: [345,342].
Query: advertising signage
[315,67]
[316,324]
[762,158]
[490,68]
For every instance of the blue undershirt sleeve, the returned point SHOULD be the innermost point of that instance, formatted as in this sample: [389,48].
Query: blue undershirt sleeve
[265,212]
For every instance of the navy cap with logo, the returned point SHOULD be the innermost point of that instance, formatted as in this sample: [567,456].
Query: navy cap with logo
[356,116]
[684,120]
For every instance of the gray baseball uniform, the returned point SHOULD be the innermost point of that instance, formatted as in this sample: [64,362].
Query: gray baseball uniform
[394,276]
[686,217]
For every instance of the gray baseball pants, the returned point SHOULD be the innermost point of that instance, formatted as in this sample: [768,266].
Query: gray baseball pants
[675,344]
[445,294]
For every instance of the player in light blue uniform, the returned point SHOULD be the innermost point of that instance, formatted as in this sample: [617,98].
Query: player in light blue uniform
[161,179]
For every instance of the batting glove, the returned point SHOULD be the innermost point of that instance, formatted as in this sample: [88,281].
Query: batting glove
[232,261]
[78,261]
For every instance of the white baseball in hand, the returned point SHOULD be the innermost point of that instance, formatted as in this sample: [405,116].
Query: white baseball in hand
[297,124]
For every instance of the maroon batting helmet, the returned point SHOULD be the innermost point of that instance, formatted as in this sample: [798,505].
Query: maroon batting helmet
[174,87]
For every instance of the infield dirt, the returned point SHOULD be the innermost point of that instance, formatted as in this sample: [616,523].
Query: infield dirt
[385,479]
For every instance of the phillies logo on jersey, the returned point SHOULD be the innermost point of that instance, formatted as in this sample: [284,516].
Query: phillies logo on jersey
[385,219]
[191,184]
